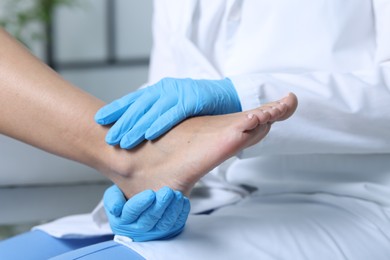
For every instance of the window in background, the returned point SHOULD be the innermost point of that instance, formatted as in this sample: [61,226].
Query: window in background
[104,46]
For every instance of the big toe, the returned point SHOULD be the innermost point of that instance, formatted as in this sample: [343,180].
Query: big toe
[291,103]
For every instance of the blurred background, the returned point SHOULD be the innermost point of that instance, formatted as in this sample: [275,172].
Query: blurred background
[101,46]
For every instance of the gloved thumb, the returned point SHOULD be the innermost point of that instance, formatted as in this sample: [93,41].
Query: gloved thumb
[114,200]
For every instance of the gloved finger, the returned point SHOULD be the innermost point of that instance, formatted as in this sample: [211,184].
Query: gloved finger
[152,215]
[129,141]
[137,134]
[113,111]
[165,122]
[168,219]
[136,205]
[181,220]
[114,200]
[130,117]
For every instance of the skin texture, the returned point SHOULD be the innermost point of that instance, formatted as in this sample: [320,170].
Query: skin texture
[40,108]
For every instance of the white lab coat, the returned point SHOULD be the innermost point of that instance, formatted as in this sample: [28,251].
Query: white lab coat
[323,176]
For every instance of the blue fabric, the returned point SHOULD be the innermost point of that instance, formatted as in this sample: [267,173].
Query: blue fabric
[105,250]
[40,245]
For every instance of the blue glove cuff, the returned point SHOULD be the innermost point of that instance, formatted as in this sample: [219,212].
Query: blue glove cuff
[223,97]
[233,94]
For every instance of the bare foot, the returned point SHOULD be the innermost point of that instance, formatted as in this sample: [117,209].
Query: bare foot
[193,148]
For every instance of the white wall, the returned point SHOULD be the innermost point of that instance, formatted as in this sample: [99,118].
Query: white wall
[80,35]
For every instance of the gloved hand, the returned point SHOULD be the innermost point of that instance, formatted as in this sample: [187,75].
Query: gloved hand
[148,215]
[150,112]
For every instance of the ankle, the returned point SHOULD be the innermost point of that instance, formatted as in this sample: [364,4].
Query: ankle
[115,163]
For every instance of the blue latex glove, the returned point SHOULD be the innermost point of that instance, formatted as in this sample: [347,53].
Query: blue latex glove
[150,112]
[147,215]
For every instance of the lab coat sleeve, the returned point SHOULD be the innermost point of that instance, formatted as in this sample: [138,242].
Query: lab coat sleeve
[337,112]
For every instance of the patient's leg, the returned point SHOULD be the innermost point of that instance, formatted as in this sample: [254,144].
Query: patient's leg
[183,155]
